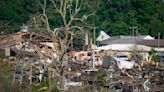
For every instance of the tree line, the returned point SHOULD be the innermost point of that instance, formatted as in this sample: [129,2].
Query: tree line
[112,16]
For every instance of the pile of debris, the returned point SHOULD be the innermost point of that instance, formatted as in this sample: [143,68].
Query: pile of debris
[28,54]
[32,54]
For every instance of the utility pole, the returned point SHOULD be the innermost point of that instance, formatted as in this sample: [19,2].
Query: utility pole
[159,40]
[94,32]
[134,30]
[135,34]
[86,40]
[93,53]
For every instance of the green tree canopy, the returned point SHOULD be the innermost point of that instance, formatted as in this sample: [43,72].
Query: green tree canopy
[109,15]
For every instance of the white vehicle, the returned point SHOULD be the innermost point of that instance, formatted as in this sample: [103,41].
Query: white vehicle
[123,57]
[123,63]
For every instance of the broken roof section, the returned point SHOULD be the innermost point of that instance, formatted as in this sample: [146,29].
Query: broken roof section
[102,36]
[19,37]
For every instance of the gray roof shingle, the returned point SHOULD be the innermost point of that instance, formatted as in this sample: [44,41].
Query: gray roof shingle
[122,40]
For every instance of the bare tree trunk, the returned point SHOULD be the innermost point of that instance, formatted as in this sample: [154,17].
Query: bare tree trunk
[61,44]
[21,78]
[30,76]
[49,80]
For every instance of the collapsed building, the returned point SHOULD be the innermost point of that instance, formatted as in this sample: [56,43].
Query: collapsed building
[29,54]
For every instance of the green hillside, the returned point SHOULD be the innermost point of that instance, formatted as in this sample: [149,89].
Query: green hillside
[112,16]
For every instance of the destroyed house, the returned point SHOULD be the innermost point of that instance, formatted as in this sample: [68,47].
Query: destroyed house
[14,42]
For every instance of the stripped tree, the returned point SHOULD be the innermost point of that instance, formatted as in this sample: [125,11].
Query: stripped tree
[63,35]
